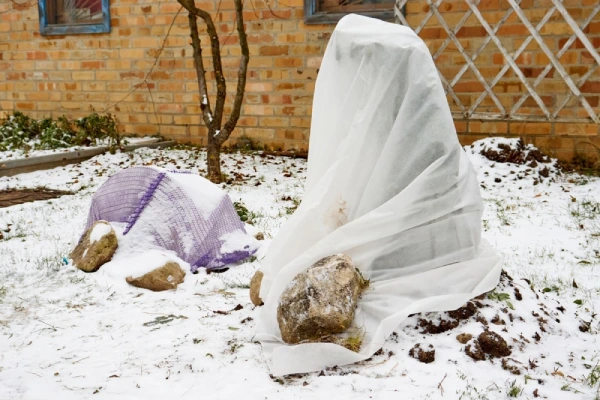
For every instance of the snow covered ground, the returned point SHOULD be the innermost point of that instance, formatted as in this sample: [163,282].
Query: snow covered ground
[70,335]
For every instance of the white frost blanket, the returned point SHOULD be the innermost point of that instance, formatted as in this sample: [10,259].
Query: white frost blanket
[389,185]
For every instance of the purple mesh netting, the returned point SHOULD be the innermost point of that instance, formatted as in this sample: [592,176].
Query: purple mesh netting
[154,203]
[132,219]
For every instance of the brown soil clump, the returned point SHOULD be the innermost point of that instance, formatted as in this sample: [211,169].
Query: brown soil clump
[441,327]
[474,351]
[493,344]
[465,312]
[424,356]
[512,368]
[520,155]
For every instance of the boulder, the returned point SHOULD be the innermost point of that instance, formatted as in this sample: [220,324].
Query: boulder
[320,301]
[255,288]
[96,248]
[163,278]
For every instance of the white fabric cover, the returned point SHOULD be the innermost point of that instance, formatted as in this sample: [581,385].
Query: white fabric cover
[389,185]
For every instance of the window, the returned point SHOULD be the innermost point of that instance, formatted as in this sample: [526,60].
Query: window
[61,17]
[331,11]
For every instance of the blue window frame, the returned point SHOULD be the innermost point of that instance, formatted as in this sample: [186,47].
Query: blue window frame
[64,17]
[331,11]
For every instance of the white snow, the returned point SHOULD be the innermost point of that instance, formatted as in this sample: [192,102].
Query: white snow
[237,241]
[99,231]
[205,195]
[136,265]
[71,335]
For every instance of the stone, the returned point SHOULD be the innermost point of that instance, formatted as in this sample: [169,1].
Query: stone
[464,337]
[320,301]
[166,277]
[96,248]
[423,355]
[259,236]
[255,288]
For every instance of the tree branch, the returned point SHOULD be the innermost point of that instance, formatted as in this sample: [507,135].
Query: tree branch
[241,86]
[216,56]
[200,72]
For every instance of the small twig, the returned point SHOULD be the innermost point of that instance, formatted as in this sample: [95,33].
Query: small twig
[33,373]
[85,358]
[440,384]
[51,326]
[271,10]
[186,392]
[392,370]
[153,106]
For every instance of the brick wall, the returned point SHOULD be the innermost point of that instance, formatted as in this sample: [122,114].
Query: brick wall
[58,75]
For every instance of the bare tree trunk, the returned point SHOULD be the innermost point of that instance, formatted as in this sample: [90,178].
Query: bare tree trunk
[217,133]
[213,162]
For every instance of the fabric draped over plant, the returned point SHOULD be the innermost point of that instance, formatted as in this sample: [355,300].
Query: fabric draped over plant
[387,184]
[180,211]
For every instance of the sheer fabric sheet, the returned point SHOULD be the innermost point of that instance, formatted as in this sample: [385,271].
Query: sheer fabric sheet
[389,185]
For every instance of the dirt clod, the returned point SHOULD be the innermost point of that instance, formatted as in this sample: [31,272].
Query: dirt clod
[584,326]
[509,365]
[465,312]
[493,344]
[441,327]
[518,295]
[424,355]
[474,351]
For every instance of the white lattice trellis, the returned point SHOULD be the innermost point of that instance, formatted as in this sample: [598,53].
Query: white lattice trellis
[505,113]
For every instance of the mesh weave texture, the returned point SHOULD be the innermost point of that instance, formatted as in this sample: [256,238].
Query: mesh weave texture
[160,204]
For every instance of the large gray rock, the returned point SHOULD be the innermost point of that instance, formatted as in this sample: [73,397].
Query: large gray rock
[255,283]
[320,301]
[96,248]
[163,278]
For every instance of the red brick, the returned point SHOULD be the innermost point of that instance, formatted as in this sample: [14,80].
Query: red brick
[471,31]
[591,87]
[92,64]
[274,50]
